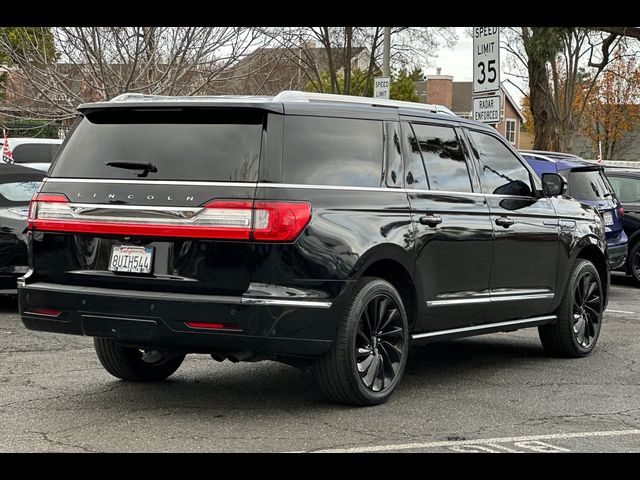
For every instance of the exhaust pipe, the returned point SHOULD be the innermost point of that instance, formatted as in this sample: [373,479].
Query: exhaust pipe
[219,357]
[240,356]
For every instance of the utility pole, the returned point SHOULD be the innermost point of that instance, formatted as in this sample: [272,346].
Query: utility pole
[386,51]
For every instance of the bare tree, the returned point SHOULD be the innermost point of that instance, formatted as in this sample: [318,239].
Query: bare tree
[330,51]
[98,63]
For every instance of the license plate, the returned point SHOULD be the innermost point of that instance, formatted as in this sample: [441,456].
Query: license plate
[131,259]
[608,218]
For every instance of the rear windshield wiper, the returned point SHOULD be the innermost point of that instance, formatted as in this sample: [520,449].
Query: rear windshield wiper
[146,167]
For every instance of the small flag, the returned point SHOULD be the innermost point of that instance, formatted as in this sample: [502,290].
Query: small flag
[7,156]
[599,151]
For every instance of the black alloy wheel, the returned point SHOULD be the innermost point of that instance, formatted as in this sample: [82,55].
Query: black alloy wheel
[366,361]
[579,316]
[379,343]
[587,309]
[634,262]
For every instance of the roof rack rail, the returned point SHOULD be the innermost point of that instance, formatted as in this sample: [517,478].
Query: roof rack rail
[298,96]
[143,97]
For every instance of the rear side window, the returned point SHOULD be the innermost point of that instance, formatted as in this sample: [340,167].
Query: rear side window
[443,158]
[627,189]
[587,185]
[183,144]
[35,152]
[501,171]
[332,151]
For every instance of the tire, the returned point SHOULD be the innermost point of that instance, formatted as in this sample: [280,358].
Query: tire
[576,314]
[365,365]
[127,363]
[633,260]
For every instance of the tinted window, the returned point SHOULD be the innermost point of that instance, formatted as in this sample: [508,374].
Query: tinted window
[332,151]
[394,154]
[627,189]
[189,144]
[502,173]
[35,152]
[18,192]
[587,185]
[443,158]
[416,176]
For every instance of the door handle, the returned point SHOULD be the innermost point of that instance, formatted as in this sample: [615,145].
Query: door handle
[430,220]
[505,222]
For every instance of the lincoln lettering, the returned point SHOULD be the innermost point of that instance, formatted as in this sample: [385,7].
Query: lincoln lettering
[112,196]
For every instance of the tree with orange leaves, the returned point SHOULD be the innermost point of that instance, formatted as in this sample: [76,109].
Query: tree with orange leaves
[612,108]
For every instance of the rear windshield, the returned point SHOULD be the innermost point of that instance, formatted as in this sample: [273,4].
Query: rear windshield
[201,144]
[17,192]
[588,185]
[35,152]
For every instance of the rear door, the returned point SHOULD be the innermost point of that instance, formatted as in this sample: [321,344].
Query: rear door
[453,239]
[179,224]
[526,229]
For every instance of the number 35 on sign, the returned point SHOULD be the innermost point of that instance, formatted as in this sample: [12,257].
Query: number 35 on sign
[486,59]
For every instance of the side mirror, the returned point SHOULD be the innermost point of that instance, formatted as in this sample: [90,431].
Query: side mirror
[553,184]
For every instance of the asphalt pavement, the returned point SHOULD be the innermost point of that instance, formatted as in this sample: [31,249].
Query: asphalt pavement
[495,393]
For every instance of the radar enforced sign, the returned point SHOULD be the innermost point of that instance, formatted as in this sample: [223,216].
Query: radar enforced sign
[486,59]
[486,109]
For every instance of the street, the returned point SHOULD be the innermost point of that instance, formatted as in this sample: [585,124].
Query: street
[497,393]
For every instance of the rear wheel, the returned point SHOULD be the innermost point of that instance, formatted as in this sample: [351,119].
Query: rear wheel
[130,363]
[367,359]
[633,262]
[577,328]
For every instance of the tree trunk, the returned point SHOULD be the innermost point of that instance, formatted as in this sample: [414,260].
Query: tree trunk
[540,99]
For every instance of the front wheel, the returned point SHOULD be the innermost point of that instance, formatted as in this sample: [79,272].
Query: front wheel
[130,363]
[576,331]
[368,356]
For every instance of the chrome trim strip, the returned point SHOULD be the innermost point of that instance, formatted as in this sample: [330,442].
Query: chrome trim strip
[284,303]
[329,187]
[489,299]
[114,292]
[537,296]
[150,182]
[486,326]
[109,206]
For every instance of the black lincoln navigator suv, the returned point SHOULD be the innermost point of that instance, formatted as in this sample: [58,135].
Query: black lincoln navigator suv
[301,228]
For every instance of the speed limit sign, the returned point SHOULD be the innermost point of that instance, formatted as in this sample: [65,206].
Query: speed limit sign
[486,59]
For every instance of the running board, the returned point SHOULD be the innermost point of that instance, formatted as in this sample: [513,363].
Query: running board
[481,329]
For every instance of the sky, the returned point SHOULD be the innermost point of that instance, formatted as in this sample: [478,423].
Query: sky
[458,62]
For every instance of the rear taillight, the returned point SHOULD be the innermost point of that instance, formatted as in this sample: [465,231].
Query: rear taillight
[219,219]
[621,211]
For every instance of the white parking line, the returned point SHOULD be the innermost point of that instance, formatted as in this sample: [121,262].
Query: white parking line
[482,441]
[620,311]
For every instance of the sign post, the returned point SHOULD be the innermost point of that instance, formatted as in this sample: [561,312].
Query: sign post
[486,74]
[381,87]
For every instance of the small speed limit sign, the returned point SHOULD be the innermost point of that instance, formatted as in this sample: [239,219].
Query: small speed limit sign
[486,59]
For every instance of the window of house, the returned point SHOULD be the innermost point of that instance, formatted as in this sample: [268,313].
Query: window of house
[510,131]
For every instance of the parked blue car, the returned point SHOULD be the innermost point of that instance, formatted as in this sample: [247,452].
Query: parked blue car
[587,183]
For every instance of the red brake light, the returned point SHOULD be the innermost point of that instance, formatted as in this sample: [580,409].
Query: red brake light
[621,211]
[214,326]
[45,312]
[218,219]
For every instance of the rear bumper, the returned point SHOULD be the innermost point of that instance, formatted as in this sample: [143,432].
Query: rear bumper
[616,256]
[263,326]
